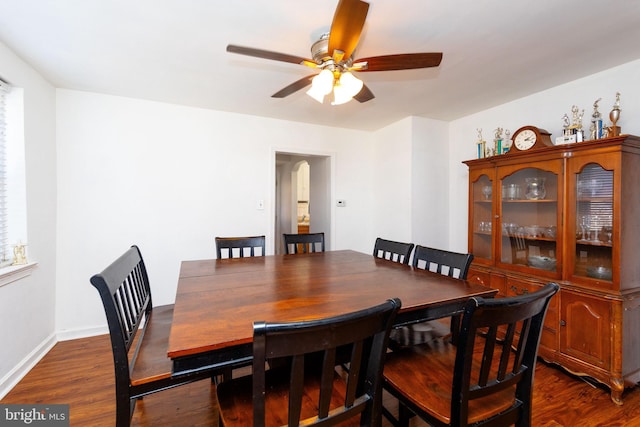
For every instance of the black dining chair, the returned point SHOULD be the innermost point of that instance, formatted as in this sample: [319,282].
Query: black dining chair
[448,263]
[393,251]
[139,334]
[303,243]
[240,247]
[484,380]
[307,386]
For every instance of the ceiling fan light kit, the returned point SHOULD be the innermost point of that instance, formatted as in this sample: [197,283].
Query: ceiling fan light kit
[332,54]
[321,85]
[347,87]
[344,87]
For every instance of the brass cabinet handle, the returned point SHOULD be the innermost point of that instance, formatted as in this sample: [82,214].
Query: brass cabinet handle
[519,291]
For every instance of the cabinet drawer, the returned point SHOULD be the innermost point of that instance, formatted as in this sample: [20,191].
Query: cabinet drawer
[549,337]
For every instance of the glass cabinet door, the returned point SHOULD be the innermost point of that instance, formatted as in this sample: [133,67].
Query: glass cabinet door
[482,217]
[528,213]
[594,218]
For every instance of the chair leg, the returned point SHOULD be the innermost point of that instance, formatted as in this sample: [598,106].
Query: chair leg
[455,328]
[389,416]
[226,375]
[404,415]
[124,411]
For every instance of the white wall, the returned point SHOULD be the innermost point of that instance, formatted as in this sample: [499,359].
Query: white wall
[27,306]
[170,178]
[320,191]
[391,183]
[410,192]
[545,110]
[429,191]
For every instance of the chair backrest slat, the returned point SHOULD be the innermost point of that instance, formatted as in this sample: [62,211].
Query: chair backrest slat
[242,244]
[364,333]
[448,263]
[393,251]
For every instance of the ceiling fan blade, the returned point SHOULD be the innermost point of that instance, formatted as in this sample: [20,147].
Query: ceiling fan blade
[294,87]
[404,61]
[364,95]
[267,54]
[346,27]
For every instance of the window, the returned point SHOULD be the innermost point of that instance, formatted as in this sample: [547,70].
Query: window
[13,213]
[4,227]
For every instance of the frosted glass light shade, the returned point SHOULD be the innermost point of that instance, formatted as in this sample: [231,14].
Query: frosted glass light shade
[340,95]
[352,84]
[321,85]
[343,89]
[346,88]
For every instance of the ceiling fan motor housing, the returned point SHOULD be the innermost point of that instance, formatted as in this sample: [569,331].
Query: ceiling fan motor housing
[320,49]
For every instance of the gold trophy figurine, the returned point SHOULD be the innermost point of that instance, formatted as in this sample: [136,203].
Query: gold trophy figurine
[19,254]
[614,115]
[596,122]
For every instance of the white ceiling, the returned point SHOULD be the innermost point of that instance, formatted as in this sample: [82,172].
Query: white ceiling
[174,51]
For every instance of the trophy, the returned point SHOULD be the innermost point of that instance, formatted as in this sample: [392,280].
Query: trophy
[572,132]
[565,125]
[576,126]
[481,145]
[506,142]
[596,122]
[497,142]
[614,115]
[19,254]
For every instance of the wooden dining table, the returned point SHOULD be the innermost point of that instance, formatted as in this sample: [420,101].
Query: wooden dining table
[218,300]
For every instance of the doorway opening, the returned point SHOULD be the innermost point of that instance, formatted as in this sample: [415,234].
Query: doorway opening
[302,196]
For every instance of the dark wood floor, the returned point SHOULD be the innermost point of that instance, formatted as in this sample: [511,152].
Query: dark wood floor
[80,373]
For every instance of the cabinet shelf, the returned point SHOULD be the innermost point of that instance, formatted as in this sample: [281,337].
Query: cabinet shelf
[594,243]
[530,238]
[529,201]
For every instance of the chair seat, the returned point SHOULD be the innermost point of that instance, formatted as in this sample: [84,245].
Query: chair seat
[152,363]
[424,373]
[236,406]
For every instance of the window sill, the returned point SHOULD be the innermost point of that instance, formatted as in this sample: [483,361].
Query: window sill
[15,272]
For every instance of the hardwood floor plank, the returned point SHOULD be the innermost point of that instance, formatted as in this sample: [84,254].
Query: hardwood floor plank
[80,373]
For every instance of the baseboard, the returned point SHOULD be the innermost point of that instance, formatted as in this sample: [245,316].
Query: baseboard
[74,334]
[19,371]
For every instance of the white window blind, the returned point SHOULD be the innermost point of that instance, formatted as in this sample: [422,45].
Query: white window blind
[4,226]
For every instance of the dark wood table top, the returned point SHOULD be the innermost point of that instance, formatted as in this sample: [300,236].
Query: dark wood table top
[217,301]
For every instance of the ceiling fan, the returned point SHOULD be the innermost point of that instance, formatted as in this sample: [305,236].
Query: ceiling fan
[333,55]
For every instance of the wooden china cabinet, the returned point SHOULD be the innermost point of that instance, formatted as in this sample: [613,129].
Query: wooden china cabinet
[568,214]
